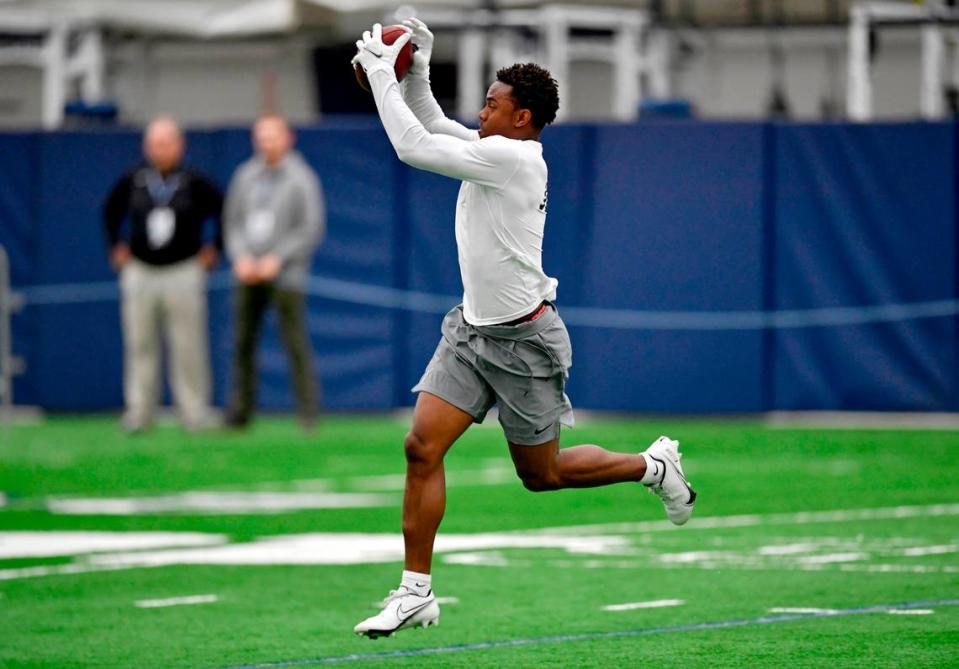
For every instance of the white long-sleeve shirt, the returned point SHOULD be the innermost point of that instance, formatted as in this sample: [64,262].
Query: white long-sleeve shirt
[501,208]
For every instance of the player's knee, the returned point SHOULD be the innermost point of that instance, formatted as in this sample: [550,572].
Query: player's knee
[419,450]
[540,481]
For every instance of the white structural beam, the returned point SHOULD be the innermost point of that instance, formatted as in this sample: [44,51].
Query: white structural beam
[60,64]
[556,38]
[931,103]
[492,39]
[54,75]
[932,19]
[658,52]
[627,92]
[859,91]
[89,65]
[470,82]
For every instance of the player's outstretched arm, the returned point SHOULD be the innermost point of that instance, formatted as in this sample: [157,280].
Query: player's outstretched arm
[491,162]
[417,90]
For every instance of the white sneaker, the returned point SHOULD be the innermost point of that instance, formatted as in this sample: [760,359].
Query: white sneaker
[401,610]
[678,497]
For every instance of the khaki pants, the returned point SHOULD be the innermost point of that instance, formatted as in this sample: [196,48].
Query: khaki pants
[171,298]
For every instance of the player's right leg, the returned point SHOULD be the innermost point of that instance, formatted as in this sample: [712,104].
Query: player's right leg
[436,425]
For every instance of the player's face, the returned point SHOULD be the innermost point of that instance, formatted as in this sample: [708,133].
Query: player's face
[498,116]
[272,139]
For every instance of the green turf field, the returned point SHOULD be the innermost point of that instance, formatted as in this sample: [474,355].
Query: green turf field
[809,548]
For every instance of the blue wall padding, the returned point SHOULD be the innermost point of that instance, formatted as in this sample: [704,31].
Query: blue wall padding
[865,215]
[19,201]
[685,216]
[676,225]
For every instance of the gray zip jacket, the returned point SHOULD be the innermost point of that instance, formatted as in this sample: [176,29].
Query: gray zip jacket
[276,210]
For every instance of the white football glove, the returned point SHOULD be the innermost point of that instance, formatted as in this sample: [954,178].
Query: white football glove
[423,39]
[372,54]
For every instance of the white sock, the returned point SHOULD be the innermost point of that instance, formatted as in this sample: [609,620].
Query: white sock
[654,470]
[416,582]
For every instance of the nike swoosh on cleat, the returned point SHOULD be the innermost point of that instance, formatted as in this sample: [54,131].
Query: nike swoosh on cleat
[401,611]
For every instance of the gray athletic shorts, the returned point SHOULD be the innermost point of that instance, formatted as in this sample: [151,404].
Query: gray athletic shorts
[522,369]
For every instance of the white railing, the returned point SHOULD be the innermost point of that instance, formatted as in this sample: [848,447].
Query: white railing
[937,24]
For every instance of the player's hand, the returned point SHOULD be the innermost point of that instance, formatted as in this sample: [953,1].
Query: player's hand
[268,267]
[423,39]
[372,54]
[245,270]
[119,256]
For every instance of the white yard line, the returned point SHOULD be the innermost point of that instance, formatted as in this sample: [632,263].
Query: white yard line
[176,601]
[218,503]
[755,520]
[55,570]
[911,612]
[34,543]
[803,609]
[655,604]
[920,551]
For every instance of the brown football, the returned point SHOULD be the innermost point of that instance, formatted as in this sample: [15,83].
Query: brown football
[403,60]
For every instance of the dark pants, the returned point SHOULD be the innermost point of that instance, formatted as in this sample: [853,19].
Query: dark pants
[251,303]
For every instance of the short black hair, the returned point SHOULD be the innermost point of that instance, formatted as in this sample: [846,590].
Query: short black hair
[533,88]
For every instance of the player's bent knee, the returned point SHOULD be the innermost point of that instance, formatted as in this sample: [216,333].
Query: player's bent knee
[420,451]
[540,482]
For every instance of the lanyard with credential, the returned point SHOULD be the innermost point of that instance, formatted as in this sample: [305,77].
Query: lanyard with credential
[261,220]
[162,190]
[263,188]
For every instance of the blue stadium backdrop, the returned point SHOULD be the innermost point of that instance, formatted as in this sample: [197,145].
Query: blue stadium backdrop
[703,267]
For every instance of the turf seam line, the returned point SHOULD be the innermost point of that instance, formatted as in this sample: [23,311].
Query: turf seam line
[564,638]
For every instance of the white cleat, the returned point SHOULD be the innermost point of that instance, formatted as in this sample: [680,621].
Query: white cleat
[403,609]
[673,488]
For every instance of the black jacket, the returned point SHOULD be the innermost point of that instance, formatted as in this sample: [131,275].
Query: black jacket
[192,198]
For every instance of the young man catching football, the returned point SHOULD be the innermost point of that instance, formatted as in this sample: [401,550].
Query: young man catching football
[505,345]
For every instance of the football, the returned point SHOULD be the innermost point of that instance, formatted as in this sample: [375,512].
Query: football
[403,60]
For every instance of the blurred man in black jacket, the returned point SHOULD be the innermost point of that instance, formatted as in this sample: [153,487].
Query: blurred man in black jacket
[162,256]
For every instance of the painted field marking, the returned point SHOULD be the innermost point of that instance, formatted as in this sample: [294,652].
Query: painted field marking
[566,638]
[911,612]
[803,609]
[218,503]
[655,604]
[364,548]
[55,570]
[754,520]
[34,543]
[175,601]
[921,551]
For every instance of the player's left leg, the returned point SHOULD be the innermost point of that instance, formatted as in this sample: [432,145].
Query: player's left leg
[546,467]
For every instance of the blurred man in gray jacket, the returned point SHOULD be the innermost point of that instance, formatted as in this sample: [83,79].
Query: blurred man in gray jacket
[274,219]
